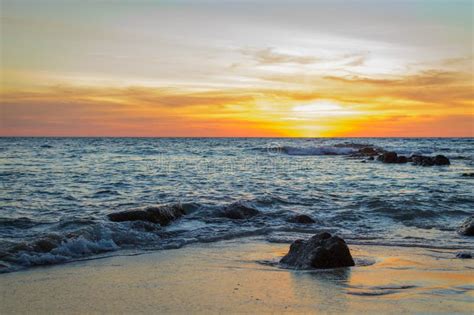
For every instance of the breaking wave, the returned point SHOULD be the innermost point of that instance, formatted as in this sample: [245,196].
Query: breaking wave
[55,200]
[307,151]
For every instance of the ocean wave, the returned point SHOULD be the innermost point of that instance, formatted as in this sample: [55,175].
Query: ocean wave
[307,151]
[77,237]
[67,245]
[21,222]
[267,216]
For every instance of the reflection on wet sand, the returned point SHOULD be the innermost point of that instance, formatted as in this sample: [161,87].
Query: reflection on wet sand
[243,276]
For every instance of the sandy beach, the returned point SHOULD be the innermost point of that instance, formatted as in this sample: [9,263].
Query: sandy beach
[240,276]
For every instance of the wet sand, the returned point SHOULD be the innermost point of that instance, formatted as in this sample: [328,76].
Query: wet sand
[238,277]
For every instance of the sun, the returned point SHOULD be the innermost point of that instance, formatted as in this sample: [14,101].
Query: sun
[321,108]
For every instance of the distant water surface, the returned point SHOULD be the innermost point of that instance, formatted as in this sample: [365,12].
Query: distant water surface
[59,190]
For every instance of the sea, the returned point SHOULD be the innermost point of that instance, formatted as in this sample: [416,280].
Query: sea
[56,193]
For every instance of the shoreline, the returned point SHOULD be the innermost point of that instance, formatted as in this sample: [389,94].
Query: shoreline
[240,276]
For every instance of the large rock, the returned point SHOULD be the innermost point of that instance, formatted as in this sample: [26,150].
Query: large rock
[301,218]
[467,227]
[156,214]
[321,251]
[238,211]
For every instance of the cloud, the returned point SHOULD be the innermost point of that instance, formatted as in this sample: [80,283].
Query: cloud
[269,56]
[408,126]
[423,78]
[417,101]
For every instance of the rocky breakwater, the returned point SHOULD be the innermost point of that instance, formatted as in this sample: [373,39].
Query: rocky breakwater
[391,157]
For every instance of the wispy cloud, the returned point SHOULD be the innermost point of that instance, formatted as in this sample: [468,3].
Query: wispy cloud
[335,104]
[270,56]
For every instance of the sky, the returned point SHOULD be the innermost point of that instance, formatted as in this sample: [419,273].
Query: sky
[237,68]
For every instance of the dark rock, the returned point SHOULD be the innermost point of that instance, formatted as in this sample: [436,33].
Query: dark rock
[301,218]
[239,211]
[422,160]
[464,255]
[155,214]
[468,174]
[321,251]
[47,244]
[441,160]
[467,227]
[430,161]
[402,159]
[363,161]
[368,151]
[388,157]
[371,158]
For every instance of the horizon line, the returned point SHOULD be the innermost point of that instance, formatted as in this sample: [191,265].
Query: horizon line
[241,137]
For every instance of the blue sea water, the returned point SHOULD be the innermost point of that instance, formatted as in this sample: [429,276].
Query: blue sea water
[56,193]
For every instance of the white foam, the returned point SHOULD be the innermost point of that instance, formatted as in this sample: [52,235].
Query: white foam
[69,249]
[324,150]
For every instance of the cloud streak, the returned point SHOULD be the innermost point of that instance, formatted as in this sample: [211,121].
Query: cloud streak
[423,101]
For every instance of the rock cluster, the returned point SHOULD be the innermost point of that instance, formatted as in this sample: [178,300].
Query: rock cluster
[393,157]
[321,251]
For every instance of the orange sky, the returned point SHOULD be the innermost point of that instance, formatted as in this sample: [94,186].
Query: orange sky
[181,69]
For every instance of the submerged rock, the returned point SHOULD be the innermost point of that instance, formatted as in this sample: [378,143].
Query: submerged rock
[468,175]
[422,160]
[155,214]
[368,151]
[47,244]
[239,211]
[301,218]
[402,159]
[467,227]
[321,251]
[388,157]
[441,160]
[430,161]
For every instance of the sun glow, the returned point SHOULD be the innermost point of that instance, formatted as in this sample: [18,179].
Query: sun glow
[321,109]
[148,71]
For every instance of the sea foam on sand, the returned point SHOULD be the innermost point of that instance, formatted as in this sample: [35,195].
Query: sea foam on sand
[242,276]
